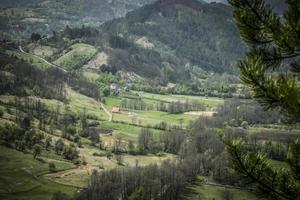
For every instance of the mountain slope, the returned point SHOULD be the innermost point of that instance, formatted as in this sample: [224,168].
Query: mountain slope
[195,33]
[44,16]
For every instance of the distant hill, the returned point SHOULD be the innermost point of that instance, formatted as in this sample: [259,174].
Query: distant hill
[13,3]
[278,5]
[44,16]
[182,34]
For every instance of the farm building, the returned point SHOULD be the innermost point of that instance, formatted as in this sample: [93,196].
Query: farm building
[115,110]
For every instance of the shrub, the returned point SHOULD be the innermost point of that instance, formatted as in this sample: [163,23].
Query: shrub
[60,196]
[37,149]
[76,162]
[52,167]
[1,112]
[99,154]
[70,152]
[84,161]
[93,123]
[160,154]
[120,159]
[109,155]
[101,166]
[245,124]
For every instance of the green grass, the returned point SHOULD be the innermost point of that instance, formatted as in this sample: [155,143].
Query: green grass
[128,132]
[79,102]
[19,176]
[149,117]
[130,160]
[78,55]
[275,130]
[91,75]
[209,192]
[211,102]
[125,128]
[279,164]
[42,51]
[112,101]
[157,116]
[152,118]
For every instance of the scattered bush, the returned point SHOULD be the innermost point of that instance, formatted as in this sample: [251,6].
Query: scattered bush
[1,112]
[37,150]
[120,159]
[60,196]
[84,161]
[99,154]
[109,155]
[52,167]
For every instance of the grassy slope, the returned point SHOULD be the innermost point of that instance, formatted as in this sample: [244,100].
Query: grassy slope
[78,55]
[79,102]
[209,192]
[78,177]
[31,59]
[19,176]
[43,188]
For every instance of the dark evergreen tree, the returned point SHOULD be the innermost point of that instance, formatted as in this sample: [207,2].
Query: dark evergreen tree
[271,70]
[274,44]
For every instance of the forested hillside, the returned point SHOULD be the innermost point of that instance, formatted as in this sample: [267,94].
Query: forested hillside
[181,47]
[197,33]
[47,16]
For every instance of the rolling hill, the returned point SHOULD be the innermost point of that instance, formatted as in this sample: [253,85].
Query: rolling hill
[46,16]
[171,38]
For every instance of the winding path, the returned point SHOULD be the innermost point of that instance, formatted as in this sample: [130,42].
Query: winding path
[42,59]
[56,66]
[107,112]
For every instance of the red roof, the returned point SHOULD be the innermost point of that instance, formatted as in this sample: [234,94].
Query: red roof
[115,110]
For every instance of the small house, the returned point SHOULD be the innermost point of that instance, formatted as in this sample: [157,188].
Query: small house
[115,110]
[113,86]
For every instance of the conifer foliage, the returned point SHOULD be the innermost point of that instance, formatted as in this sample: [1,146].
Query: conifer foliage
[271,70]
[272,65]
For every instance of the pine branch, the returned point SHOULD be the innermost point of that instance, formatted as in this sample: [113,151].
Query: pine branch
[260,26]
[271,91]
[235,149]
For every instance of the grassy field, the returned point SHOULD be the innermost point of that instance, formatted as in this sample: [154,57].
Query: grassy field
[20,176]
[79,177]
[154,117]
[210,192]
[77,56]
[90,75]
[42,51]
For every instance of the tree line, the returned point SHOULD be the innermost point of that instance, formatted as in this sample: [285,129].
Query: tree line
[22,79]
[174,107]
